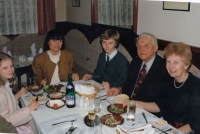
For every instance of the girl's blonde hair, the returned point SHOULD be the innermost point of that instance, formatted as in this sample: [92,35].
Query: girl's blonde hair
[3,57]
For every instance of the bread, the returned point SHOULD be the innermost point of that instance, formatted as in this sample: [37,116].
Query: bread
[161,122]
[121,98]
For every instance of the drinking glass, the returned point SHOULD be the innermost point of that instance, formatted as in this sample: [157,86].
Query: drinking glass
[131,110]
[97,102]
[92,117]
[97,125]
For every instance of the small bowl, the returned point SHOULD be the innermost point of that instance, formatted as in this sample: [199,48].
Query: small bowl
[52,88]
[56,95]
[34,88]
[55,104]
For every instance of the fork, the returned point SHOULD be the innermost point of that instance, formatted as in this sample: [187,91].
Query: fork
[167,130]
[64,122]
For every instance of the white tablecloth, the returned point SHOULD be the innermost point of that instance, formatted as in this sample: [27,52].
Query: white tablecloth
[44,117]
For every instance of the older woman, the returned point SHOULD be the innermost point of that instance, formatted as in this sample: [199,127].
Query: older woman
[9,109]
[180,101]
[55,63]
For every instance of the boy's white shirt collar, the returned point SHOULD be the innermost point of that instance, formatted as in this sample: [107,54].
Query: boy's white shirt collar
[112,54]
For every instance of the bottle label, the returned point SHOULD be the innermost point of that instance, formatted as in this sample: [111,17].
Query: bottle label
[69,86]
[70,99]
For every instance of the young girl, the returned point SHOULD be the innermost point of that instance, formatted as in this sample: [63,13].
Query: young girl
[9,108]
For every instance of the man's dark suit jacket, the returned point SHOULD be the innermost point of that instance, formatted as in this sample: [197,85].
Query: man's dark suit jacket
[147,91]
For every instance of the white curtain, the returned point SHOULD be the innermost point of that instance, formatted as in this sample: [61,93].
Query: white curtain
[18,16]
[115,12]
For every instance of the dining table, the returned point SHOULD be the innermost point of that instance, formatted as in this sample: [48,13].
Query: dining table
[44,117]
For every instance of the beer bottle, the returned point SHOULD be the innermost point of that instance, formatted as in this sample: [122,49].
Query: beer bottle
[70,93]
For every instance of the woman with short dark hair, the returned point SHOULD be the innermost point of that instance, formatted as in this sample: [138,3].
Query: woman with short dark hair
[55,63]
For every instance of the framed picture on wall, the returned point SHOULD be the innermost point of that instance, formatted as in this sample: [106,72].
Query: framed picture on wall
[75,3]
[178,6]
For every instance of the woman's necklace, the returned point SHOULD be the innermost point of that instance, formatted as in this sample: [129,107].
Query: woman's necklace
[179,86]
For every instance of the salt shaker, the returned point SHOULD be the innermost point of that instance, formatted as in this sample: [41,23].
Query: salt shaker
[85,102]
[81,101]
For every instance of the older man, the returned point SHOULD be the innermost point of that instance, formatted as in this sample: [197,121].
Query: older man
[145,72]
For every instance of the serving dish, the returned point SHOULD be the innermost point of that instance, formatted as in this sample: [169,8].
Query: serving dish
[52,88]
[112,120]
[55,104]
[56,95]
[117,108]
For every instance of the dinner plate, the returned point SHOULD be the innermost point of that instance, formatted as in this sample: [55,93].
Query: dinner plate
[120,106]
[64,128]
[162,127]
[57,107]
[41,99]
[116,117]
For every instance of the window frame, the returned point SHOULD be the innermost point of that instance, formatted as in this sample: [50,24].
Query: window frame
[94,17]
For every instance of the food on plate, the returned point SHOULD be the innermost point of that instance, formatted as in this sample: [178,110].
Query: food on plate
[40,98]
[52,88]
[113,108]
[109,119]
[121,98]
[55,105]
[161,122]
[56,95]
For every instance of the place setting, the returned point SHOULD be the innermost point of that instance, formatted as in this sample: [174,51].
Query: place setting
[35,94]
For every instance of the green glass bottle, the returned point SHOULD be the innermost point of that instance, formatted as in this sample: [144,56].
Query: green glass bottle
[70,93]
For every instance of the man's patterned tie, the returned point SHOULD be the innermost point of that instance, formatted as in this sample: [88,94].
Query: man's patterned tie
[139,80]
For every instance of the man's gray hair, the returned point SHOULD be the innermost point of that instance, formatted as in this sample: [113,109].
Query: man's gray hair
[150,36]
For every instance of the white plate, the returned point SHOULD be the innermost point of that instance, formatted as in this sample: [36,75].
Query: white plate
[64,128]
[40,102]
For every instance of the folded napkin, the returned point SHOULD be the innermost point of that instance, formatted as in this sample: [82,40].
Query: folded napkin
[40,50]
[33,49]
[9,53]
[84,89]
[136,129]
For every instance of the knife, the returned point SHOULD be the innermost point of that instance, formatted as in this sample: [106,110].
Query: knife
[72,128]
[36,98]
[159,129]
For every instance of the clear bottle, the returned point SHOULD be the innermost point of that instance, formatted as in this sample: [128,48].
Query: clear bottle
[70,93]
